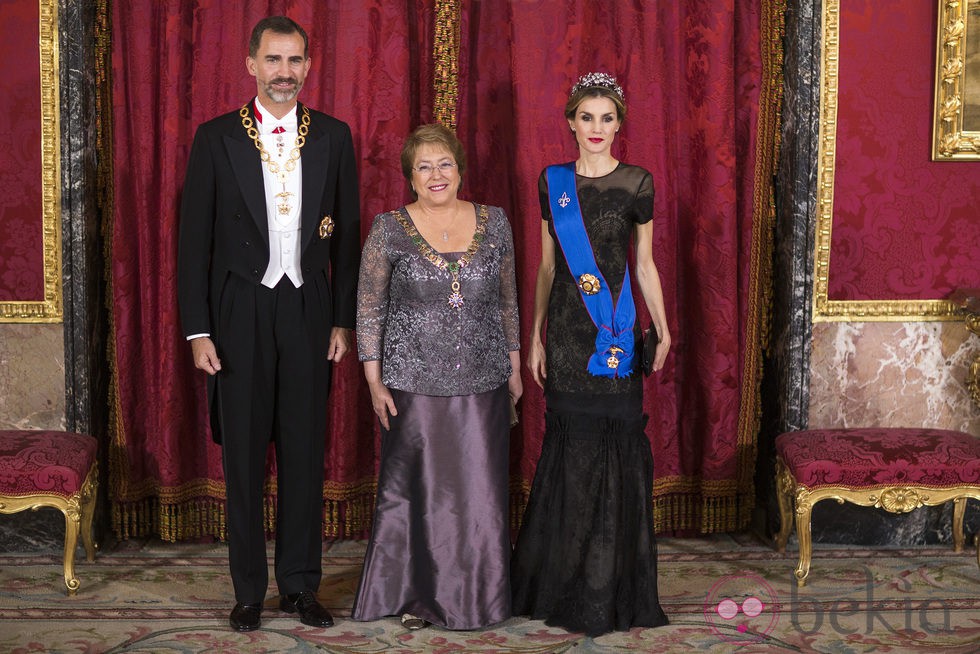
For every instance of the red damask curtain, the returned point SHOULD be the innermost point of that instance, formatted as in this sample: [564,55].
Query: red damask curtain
[175,65]
[904,228]
[22,230]
[698,81]
[692,72]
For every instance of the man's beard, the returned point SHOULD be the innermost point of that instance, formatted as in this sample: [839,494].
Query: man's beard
[282,96]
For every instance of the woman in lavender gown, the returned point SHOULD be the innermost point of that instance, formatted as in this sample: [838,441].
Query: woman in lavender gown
[438,332]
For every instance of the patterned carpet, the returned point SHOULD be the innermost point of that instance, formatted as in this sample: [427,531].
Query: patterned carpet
[722,594]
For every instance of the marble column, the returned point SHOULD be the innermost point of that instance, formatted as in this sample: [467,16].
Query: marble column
[786,368]
[83,246]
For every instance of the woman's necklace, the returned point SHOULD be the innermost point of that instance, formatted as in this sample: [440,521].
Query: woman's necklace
[445,232]
[450,223]
[456,299]
[281,174]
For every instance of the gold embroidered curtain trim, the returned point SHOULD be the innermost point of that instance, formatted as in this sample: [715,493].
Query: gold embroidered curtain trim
[197,510]
[760,279]
[445,55]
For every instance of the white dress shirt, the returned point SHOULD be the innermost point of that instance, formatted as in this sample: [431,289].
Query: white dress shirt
[284,226]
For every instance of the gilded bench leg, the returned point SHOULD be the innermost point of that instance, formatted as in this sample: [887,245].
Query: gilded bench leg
[88,511]
[72,522]
[785,486]
[959,510]
[803,513]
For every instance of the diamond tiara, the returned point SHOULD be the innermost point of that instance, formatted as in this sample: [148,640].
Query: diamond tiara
[598,79]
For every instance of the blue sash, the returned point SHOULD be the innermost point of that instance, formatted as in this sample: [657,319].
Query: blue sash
[614,343]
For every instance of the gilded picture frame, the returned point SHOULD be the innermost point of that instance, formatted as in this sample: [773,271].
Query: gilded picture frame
[48,309]
[825,309]
[956,109]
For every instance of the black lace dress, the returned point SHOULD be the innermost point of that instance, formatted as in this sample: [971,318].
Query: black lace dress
[585,557]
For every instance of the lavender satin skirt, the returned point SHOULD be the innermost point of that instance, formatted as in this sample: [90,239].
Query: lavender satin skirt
[440,546]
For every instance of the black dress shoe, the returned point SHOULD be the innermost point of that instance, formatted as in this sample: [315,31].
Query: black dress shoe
[246,617]
[311,612]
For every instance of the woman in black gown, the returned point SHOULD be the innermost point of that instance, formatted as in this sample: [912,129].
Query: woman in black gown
[585,557]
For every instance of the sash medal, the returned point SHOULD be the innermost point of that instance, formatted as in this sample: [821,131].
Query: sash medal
[614,342]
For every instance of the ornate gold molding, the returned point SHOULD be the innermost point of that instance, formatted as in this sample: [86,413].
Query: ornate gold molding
[973,379]
[898,500]
[825,309]
[949,140]
[50,308]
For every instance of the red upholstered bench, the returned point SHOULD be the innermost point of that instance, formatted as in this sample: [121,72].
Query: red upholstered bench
[898,470]
[56,469]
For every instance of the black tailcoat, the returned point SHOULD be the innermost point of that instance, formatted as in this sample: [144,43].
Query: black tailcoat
[273,344]
[224,229]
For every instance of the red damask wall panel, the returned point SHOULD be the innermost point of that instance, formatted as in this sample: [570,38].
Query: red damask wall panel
[21,235]
[904,227]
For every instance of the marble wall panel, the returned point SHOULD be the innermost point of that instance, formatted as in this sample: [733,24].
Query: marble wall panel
[891,374]
[32,376]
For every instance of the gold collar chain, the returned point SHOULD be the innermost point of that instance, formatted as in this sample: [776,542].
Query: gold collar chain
[253,133]
[456,299]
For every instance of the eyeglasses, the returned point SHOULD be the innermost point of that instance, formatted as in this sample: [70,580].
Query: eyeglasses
[427,169]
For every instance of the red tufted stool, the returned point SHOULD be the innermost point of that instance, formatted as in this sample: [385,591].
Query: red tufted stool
[56,469]
[898,470]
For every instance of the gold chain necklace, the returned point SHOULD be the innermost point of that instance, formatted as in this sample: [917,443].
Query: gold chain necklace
[426,250]
[282,199]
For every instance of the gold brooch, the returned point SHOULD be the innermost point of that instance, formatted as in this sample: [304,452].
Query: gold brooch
[326,227]
[589,284]
[613,360]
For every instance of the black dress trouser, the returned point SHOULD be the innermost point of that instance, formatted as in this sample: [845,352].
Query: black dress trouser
[273,385]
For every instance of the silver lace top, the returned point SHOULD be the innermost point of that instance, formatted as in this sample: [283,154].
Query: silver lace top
[405,319]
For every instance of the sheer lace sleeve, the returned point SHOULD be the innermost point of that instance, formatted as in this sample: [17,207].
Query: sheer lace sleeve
[509,318]
[643,205]
[543,199]
[372,292]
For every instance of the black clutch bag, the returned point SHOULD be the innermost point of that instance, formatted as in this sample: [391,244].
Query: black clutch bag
[650,341]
